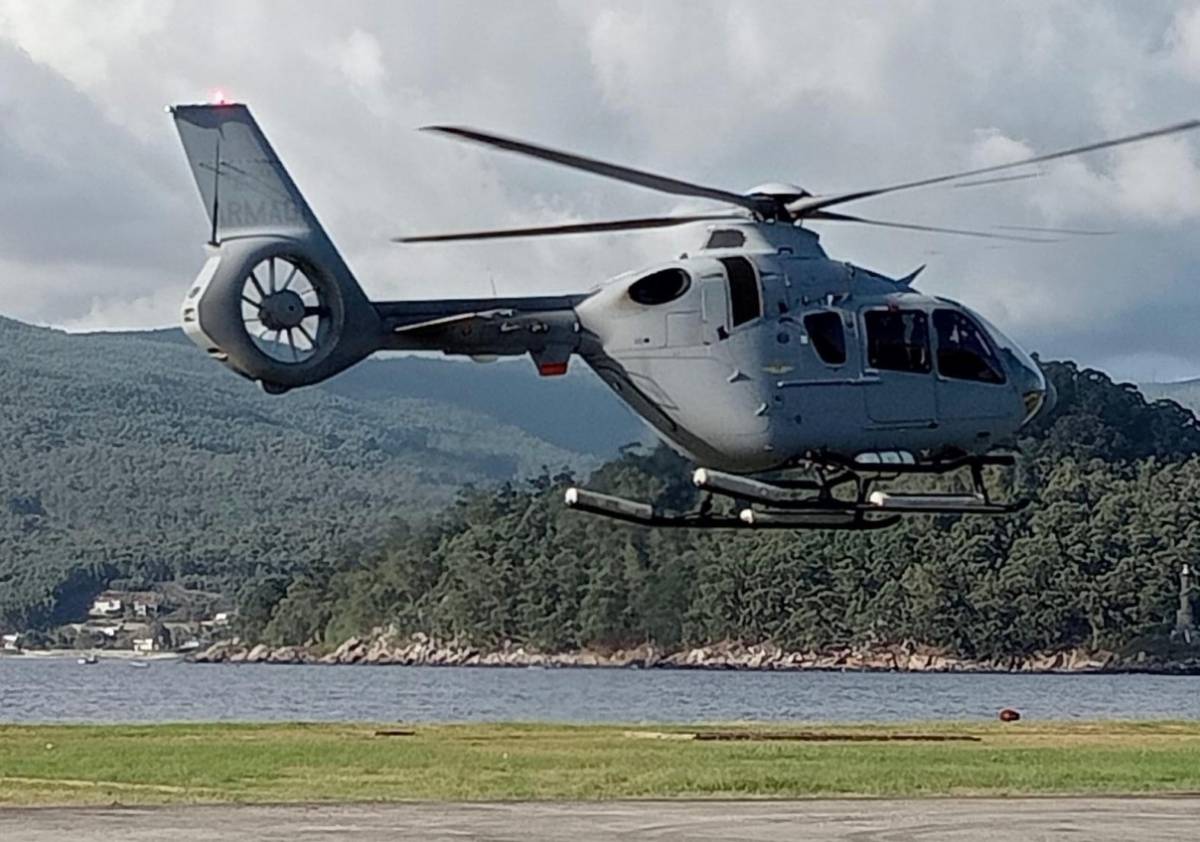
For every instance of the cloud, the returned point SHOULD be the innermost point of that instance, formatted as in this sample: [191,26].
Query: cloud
[100,226]
[87,211]
[1183,38]
[77,39]
[361,59]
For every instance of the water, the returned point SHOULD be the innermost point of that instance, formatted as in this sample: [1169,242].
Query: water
[60,690]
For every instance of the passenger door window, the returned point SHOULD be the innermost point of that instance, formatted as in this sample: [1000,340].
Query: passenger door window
[745,298]
[898,340]
[963,351]
[827,336]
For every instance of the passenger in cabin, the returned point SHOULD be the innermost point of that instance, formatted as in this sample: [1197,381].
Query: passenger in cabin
[898,340]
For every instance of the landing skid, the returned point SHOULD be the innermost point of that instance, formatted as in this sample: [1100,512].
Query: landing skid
[644,514]
[811,503]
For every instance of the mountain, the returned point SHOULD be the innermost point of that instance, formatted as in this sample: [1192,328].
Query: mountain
[132,457]
[583,417]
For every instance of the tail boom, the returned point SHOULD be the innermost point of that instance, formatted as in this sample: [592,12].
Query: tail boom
[276,302]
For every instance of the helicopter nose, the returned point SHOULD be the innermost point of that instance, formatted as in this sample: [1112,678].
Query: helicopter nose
[1037,393]
[1051,398]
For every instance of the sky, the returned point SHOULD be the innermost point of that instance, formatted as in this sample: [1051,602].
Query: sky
[101,226]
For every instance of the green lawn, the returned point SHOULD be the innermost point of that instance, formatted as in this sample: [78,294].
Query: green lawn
[297,762]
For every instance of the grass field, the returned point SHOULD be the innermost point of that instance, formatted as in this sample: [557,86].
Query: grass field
[297,762]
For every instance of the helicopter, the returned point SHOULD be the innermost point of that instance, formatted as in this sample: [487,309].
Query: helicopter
[796,382]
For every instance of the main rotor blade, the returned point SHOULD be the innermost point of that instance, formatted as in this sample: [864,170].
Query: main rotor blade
[573,228]
[1000,179]
[832,216]
[805,206]
[642,178]
[1075,232]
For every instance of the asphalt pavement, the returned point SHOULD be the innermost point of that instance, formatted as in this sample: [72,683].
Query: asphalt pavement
[860,820]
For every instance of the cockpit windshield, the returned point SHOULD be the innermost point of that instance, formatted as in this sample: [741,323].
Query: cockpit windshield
[963,350]
[1012,353]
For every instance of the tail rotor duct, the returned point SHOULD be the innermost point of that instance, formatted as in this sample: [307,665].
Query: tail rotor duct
[285,312]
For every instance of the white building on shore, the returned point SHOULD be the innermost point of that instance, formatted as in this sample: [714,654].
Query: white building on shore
[107,604]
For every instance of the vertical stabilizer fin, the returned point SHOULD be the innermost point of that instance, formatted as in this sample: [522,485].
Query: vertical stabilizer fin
[245,188]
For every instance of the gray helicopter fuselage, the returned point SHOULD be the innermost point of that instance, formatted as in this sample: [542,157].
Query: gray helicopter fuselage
[754,352]
[757,351]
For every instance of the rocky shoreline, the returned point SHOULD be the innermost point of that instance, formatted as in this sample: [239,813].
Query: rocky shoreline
[387,648]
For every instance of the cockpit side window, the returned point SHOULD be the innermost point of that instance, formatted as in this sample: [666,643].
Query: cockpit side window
[827,336]
[745,299]
[898,340]
[963,351]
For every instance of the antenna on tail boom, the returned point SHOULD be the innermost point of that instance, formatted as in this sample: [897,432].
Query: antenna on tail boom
[212,241]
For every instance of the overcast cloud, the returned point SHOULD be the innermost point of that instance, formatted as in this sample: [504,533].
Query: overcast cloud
[100,226]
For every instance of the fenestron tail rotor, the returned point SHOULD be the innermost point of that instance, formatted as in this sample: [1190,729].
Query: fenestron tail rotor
[772,202]
[284,310]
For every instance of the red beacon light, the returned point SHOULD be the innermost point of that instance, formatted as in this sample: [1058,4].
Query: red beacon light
[218,98]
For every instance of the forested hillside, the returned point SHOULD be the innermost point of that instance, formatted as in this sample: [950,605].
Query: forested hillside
[1094,562]
[133,458]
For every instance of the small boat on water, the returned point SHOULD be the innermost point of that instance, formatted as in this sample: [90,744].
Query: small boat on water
[139,665]
[86,660]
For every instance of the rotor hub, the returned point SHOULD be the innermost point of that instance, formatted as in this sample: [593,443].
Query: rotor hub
[779,191]
[281,310]
[771,200]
